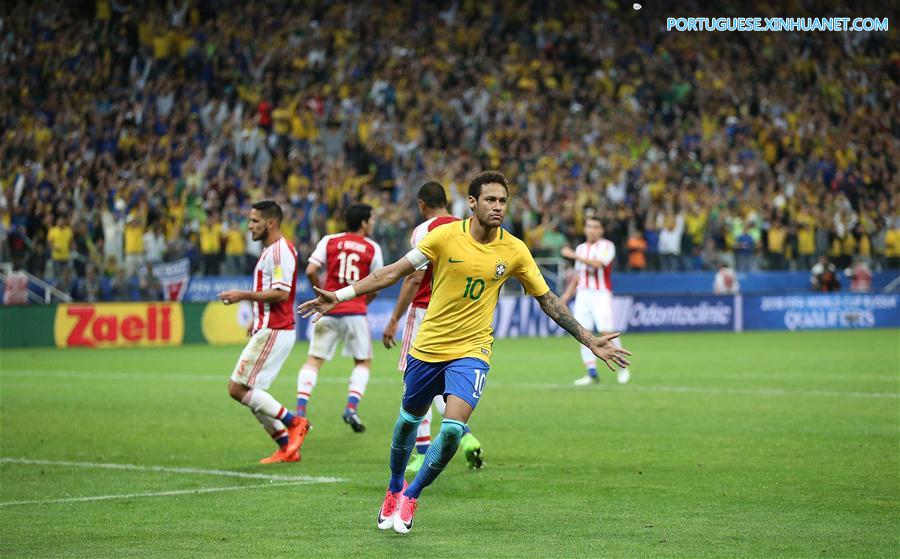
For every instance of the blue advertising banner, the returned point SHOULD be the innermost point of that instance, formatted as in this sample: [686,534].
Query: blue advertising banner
[819,311]
[204,289]
[517,316]
[674,314]
[521,316]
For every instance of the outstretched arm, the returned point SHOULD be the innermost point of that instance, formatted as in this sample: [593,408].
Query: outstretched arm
[601,346]
[377,280]
[555,309]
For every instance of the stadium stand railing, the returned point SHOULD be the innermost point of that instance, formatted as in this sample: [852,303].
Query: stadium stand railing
[33,289]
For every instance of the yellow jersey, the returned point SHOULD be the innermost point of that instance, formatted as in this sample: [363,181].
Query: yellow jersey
[210,238]
[806,240]
[234,242]
[467,276]
[60,241]
[134,238]
[892,243]
[776,239]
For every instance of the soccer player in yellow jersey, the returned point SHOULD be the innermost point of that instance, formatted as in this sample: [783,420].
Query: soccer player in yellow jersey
[471,259]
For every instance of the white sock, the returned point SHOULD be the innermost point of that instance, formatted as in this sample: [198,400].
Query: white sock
[306,382]
[423,432]
[273,427]
[440,404]
[359,379]
[262,402]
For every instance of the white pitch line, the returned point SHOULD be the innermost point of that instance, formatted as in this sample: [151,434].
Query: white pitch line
[768,392]
[700,390]
[215,377]
[112,375]
[125,375]
[150,494]
[172,470]
[762,391]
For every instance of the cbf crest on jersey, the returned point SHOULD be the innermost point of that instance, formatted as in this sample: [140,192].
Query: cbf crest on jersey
[500,269]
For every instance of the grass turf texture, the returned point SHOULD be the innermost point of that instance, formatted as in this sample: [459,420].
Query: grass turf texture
[754,444]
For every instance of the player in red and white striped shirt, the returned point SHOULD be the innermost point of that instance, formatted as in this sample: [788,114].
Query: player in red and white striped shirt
[592,286]
[347,258]
[416,290]
[272,333]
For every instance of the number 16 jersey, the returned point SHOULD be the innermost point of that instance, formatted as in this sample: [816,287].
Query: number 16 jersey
[347,258]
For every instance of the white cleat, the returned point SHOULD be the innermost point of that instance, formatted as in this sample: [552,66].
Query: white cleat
[389,508]
[586,380]
[406,510]
[624,376]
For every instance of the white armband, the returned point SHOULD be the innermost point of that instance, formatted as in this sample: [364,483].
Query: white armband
[345,293]
[417,258]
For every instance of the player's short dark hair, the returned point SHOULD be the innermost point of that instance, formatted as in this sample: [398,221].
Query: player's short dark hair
[356,215]
[269,209]
[433,195]
[487,177]
[596,218]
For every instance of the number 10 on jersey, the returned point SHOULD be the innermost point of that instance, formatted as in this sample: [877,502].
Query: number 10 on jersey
[474,288]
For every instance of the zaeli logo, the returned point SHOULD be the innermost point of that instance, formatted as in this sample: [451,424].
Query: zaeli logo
[119,325]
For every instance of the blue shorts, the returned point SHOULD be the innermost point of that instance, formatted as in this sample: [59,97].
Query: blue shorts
[464,378]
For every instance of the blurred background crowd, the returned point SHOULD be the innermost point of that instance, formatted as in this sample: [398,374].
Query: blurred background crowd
[135,133]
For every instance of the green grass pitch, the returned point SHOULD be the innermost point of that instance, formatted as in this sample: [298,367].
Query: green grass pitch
[736,445]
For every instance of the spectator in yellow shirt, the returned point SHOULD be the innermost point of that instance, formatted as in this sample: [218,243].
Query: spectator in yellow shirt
[211,245]
[103,10]
[892,246]
[60,238]
[134,244]
[775,246]
[806,241]
[234,249]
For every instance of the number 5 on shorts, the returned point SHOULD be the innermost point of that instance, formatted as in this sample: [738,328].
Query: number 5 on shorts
[480,379]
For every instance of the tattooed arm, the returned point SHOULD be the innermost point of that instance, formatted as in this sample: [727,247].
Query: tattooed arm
[555,309]
[601,346]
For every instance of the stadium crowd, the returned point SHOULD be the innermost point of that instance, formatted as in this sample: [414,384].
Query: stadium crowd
[135,133]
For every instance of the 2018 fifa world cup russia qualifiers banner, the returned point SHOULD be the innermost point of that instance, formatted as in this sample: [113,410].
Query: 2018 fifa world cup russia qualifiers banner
[820,311]
[119,325]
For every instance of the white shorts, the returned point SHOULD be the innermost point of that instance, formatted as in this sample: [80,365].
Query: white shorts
[353,330]
[414,318]
[593,309]
[263,357]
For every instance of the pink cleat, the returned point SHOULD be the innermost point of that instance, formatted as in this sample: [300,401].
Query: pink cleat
[406,510]
[389,508]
